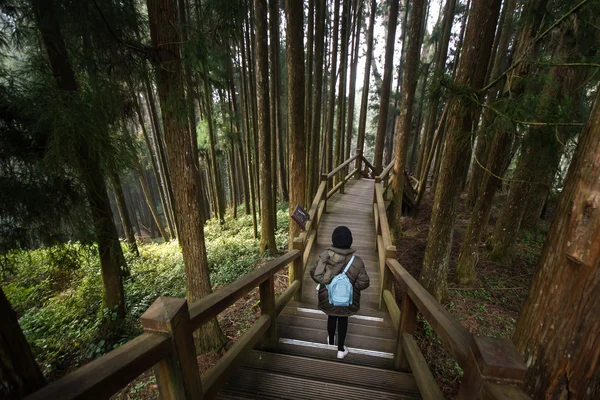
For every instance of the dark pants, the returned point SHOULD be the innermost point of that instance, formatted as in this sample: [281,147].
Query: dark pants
[342,325]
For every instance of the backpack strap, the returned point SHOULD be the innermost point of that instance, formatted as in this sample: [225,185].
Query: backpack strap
[349,264]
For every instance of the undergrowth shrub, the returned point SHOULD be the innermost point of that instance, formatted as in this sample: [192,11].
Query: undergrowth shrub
[57,291]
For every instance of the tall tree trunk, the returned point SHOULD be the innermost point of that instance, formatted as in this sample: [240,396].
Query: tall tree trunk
[150,201]
[364,102]
[216,178]
[542,148]
[295,69]
[504,36]
[275,104]
[313,172]
[251,48]
[88,159]
[418,120]
[409,87]
[153,162]
[384,104]
[249,127]
[267,223]
[471,72]
[503,138]
[170,81]
[19,372]
[241,160]
[354,67]
[434,98]
[341,108]
[308,99]
[557,330]
[124,214]
[131,206]
[162,156]
[332,81]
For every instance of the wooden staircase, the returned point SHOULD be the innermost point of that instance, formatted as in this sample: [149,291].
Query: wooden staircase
[284,354]
[304,366]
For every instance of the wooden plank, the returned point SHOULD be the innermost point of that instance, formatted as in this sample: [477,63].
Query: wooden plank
[425,381]
[211,305]
[104,376]
[217,376]
[495,391]
[386,171]
[267,307]
[310,239]
[393,309]
[408,323]
[317,199]
[286,296]
[268,385]
[334,189]
[376,218]
[385,229]
[455,337]
[332,372]
[177,375]
[341,166]
[368,164]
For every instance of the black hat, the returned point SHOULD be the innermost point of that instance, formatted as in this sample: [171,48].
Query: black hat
[341,237]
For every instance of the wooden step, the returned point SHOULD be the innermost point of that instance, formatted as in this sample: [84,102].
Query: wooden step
[382,322]
[373,312]
[258,384]
[333,372]
[366,306]
[355,326]
[359,340]
[328,354]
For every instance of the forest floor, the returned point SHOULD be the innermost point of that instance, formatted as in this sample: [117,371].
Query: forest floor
[488,307]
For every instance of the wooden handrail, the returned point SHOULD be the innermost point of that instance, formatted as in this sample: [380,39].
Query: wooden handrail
[104,376]
[385,171]
[217,376]
[341,166]
[213,304]
[453,335]
[367,163]
[483,359]
[383,221]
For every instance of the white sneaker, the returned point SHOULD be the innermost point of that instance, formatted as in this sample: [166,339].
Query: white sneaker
[342,354]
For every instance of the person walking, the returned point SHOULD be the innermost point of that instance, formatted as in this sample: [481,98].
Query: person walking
[336,260]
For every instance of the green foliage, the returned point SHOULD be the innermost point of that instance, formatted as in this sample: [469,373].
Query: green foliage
[57,291]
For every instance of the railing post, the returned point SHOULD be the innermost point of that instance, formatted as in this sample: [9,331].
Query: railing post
[358,164]
[324,178]
[177,375]
[267,307]
[408,321]
[491,360]
[386,277]
[298,267]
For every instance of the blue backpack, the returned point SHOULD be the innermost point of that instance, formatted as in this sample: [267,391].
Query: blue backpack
[340,288]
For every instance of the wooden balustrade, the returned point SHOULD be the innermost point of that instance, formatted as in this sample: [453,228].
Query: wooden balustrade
[168,344]
[493,369]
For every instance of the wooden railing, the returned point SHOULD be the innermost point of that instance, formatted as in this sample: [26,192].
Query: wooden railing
[493,369]
[167,345]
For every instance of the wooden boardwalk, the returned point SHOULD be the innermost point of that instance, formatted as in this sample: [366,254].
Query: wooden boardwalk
[304,366]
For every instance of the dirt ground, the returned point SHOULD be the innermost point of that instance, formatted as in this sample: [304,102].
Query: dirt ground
[488,307]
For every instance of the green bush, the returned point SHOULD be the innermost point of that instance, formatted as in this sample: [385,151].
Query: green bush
[57,291]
